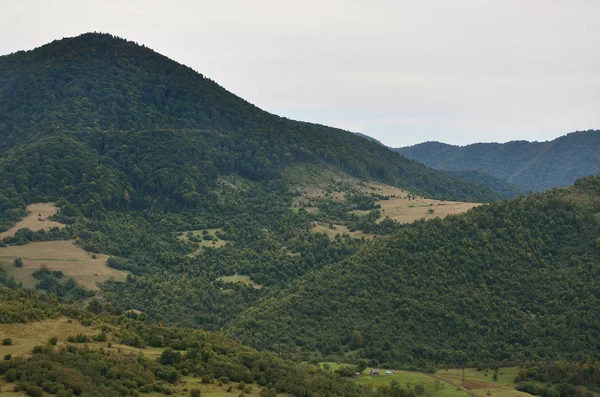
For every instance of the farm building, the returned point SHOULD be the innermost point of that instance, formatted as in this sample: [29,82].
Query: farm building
[374,372]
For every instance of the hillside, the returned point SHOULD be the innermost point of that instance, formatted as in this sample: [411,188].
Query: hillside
[171,213]
[515,280]
[533,166]
[107,101]
[64,351]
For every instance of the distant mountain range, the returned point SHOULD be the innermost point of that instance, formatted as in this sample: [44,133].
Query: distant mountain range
[533,166]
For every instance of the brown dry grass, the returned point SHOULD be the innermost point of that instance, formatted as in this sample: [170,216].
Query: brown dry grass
[404,211]
[36,219]
[26,336]
[65,256]
[319,227]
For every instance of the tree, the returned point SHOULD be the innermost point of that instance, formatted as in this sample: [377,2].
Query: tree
[357,340]
[18,262]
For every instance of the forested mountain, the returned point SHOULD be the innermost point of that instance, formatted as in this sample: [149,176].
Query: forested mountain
[515,280]
[225,218]
[510,190]
[108,98]
[533,166]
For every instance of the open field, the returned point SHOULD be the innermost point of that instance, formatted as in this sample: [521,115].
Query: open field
[26,336]
[36,219]
[85,268]
[198,234]
[403,210]
[433,386]
[312,184]
[446,382]
[479,382]
[320,227]
[238,278]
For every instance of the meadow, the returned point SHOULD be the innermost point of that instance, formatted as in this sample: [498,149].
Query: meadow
[85,268]
[446,382]
[37,218]
[195,237]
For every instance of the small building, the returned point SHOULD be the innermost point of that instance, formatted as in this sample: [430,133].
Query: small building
[374,372]
[357,374]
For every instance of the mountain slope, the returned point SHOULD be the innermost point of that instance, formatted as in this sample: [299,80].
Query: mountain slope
[534,166]
[513,280]
[96,89]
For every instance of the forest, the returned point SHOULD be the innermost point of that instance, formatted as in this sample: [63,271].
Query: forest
[151,164]
[532,166]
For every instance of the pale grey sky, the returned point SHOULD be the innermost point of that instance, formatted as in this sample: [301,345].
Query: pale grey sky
[404,72]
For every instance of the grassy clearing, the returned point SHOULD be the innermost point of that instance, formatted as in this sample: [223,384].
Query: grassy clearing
[26,336]
[36,219]
[319,227]
[433,386]
[214,242]
[446,382]
[312,183]
[85,268]
[480,382]
[239,278]
[404,211]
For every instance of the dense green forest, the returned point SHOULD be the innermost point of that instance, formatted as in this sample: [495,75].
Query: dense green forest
[515,280]
[150,162]
[533,166]
[111,101]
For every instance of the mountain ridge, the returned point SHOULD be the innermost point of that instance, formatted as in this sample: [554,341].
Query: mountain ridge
[533,166]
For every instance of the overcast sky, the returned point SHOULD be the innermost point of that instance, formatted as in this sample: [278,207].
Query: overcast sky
[404,72]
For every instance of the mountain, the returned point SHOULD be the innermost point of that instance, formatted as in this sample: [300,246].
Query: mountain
[103,97]
[218,218]
[515,280]
[508,189]
[533,166]
[368,138]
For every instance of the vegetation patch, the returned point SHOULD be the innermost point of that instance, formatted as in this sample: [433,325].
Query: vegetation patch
[85,268]
[332,230]
[26,336]
[199,239]
[240,278]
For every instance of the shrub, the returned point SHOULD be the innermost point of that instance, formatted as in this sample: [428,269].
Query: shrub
[18,262]
[11,375]
[420,389]
[195,393]
[53,340]
[35,391]
[7,341]
[7,356]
